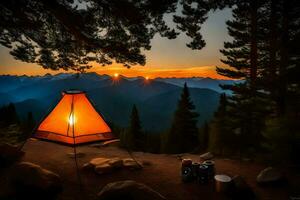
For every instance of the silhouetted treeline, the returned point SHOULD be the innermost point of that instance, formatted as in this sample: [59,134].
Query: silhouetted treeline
[183,135]
[12,128]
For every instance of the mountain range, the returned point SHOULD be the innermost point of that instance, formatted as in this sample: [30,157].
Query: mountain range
[156,99]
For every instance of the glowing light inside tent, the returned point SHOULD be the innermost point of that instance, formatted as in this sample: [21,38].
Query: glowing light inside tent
[72,119]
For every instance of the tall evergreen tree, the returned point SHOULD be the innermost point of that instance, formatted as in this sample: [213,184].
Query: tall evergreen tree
[224,136]
[243,56]
[183,135]
[136,129]
[134,138]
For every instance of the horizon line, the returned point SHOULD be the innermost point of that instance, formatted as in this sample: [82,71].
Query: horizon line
[112,75]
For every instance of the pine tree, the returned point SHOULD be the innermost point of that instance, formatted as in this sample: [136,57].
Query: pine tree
[222,135]
[183,135]
[243,56]
[136,129]
[134,138]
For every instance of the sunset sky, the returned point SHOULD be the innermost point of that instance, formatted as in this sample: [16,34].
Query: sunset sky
[167,58]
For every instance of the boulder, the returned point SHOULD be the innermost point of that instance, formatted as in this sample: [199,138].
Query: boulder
[206,156]
[104,168]
[241,189]
[9,154]
[99,161]
[32,181]
[128,190]
[107,165]
[131,164]
[269,175]
[116,163]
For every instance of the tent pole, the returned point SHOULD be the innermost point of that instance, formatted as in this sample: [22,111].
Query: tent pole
[74,146]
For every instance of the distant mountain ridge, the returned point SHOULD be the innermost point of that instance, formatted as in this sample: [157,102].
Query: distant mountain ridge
[156,99]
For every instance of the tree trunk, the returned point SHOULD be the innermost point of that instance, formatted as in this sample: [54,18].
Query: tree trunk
[284,59]
[253,44]
[272,47]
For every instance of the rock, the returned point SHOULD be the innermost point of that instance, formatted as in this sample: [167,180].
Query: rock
[241,190]
[99,161]
[269,175]
[87,166]
[32,181]
[104,168]
[116,163]
[78,154]
[207,156]
[9,154]
[131,164]
[106,165]
[128,190]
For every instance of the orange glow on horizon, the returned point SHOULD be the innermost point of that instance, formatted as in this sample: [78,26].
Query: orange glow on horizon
[143,71]
[155,72]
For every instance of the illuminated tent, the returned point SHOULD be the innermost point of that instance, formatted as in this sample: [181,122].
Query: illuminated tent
[73,120]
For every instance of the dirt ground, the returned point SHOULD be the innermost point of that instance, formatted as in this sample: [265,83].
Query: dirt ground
[163,175]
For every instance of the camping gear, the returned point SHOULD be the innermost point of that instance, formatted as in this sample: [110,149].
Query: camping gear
[203,174]
[195,169]
[186,170]
[211,168]
[187,174]
[222,182]
[73,120]
[186,163]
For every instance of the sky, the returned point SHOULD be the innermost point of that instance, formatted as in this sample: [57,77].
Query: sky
[167,58]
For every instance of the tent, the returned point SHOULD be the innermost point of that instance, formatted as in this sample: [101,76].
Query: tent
[73,120]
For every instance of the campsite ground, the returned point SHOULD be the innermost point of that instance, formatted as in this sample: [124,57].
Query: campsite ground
[163,174]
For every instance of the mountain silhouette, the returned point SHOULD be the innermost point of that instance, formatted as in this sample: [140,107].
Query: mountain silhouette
[156,99]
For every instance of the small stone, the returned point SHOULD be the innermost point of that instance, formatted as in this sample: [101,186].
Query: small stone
[269,175]
[99,161]
[116,162]
[104,168]
[207,156]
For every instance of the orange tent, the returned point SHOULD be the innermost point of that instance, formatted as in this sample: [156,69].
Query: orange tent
[74,120]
